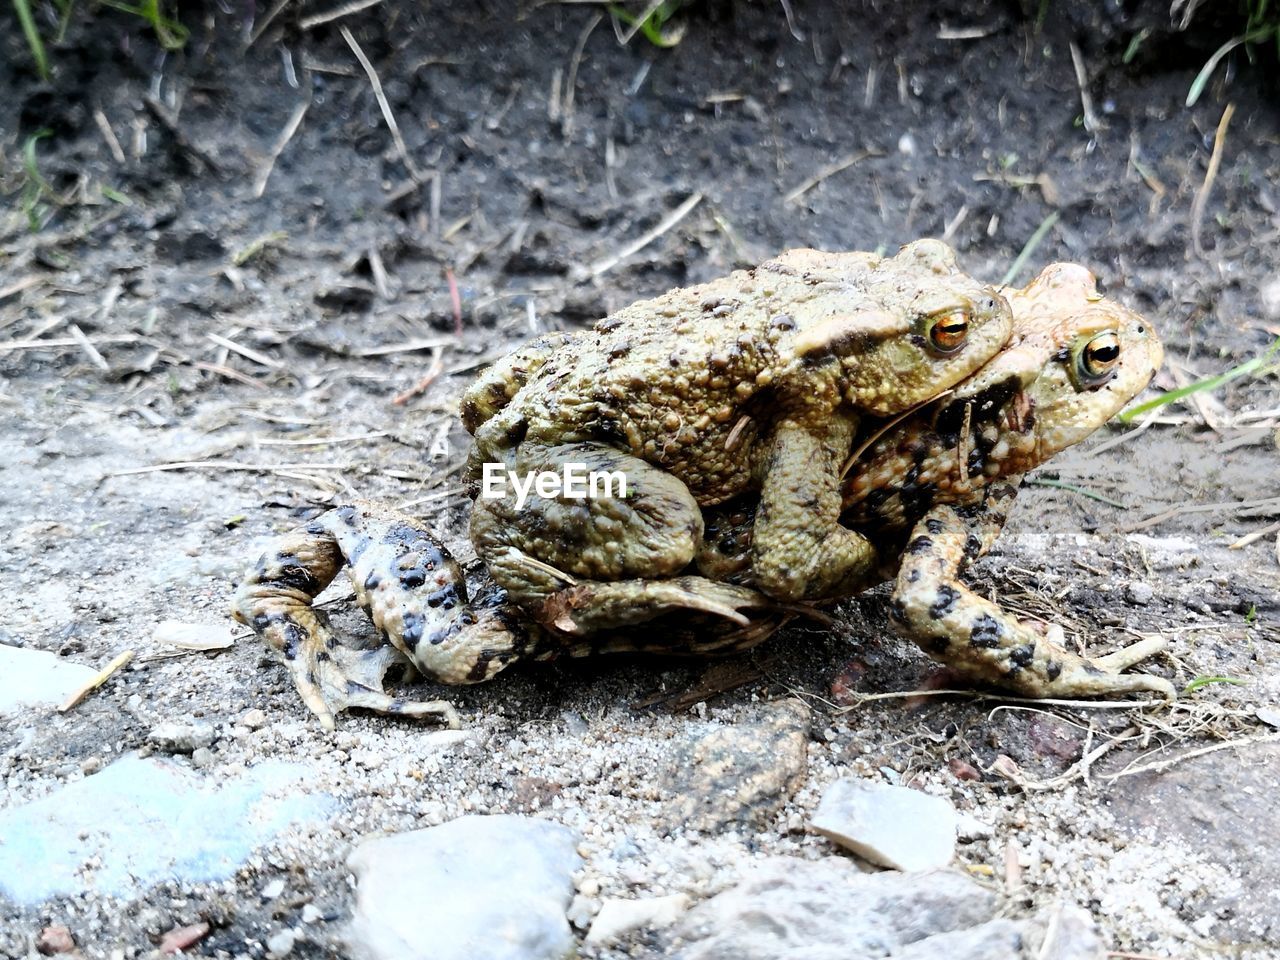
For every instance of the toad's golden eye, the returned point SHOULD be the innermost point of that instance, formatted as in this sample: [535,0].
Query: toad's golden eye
[948,331]
[1096,359]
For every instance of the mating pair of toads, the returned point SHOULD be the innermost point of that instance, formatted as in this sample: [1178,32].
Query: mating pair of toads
[790,434]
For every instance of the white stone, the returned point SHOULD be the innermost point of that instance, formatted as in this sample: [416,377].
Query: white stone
[184,737]
[141,821]
[1269,295]
[272,890]
[31,678]
[889,825]
[475,888]
[617,918]
[194,636]
[281,944]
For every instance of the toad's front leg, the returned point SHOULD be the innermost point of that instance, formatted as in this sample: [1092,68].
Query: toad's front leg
[956,626]
[799,550]
[412,590]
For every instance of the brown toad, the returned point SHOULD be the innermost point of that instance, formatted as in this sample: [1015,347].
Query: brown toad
[755,382]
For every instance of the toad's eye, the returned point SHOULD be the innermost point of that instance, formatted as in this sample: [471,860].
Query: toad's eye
[947,331]
[1096,359]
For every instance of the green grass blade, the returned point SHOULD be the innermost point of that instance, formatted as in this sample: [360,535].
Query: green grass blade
[1034,241]
[1199,682]
[1209,383]
[1080,491]
[28,21]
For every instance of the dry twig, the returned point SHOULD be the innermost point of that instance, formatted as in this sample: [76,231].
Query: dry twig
[1202,195]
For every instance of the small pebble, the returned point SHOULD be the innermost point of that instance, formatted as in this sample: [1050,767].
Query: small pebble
[90,765]
[253,719]
[272,890]
[281,944]
[1139,593]
[312,914]
[202,757]
[180,938]
[54,940]
[181,737]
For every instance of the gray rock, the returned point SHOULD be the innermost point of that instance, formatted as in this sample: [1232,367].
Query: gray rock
[740,773]
[475,888]
[889,825]
[31,678]
[1139,593]
[185,737]
[827,910]
[1063,934]
[1223,806]
[994,940]
[141,821]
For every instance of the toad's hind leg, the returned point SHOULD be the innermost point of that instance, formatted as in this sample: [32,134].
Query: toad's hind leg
[976,637]
[411,588]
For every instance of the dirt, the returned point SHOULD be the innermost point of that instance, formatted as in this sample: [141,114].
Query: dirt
[522,199]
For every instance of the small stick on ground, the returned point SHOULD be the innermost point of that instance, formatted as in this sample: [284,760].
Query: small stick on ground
[829,171]
[1202,195]
[409,346]
[94,682]
[1161,765]
[90,351]
[231,374]
[261,27]
[455,299]
[246,352]
[387,115]
[282,141]
[1091,121]
[9,346]
[109,135]
[436,368]
[322,441]
[669,221]
[566,111]
[229,465]
[306,23]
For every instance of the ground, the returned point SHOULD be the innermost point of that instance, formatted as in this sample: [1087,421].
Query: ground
[260,307]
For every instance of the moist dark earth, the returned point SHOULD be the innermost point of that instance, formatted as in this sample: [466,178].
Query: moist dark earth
[260,354]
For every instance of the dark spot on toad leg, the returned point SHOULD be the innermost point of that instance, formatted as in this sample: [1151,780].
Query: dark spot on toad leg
[413,628]
[945,602]
[1019,657]
[897,610]
[1053,670]
[919,545]
[985,632]
[939,644]
[373,580]
[913,576]
[933,525]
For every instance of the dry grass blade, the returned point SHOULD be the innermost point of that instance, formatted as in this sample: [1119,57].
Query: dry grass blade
[227,465]
[326,16]
[89,350]
[61,343]
[1162,765]
[247,352]
[670,220]
[376,83]
[434,371]
[97,680]
[829,171]
[282,141]
[1202,195]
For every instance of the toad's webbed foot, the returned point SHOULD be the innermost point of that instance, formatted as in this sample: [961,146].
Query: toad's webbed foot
[412,590]
[956,626]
